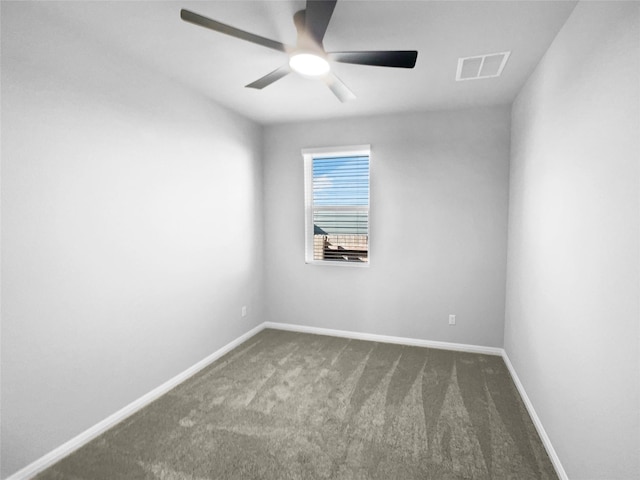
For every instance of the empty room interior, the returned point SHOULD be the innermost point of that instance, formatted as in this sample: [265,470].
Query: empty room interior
[320,240]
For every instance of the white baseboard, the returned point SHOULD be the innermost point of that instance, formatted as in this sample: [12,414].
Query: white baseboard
[459,347]
[85,437]
[78,441]
[553,456]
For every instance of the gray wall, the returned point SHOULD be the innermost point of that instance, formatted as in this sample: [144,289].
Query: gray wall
[573,280]
[439,190]
[131,231]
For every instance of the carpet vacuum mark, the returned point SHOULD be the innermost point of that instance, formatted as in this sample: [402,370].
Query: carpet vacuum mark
[287,405]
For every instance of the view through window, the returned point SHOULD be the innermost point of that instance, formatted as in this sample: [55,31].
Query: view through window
[337,198]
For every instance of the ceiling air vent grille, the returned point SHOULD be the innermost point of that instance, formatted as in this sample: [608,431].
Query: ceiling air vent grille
[481,66]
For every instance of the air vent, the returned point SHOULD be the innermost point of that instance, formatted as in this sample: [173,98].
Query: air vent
[481,66]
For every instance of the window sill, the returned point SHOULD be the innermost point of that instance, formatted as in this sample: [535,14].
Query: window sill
[329,263]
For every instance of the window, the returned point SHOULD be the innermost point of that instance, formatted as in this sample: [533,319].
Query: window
[337,205]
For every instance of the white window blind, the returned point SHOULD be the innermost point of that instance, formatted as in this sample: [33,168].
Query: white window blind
[337,205]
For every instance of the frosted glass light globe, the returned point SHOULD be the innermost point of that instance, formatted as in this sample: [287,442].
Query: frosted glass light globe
[308,64]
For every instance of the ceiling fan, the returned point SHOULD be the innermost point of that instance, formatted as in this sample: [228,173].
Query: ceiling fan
[308,57]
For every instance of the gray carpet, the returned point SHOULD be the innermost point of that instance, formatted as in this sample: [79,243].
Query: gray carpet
[298,406]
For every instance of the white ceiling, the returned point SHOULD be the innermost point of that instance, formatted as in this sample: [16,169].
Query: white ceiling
[218,66]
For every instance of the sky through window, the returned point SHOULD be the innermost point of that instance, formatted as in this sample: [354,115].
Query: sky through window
[341,181]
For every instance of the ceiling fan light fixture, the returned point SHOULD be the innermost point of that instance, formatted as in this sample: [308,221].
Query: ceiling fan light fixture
[308,57]
[309,64]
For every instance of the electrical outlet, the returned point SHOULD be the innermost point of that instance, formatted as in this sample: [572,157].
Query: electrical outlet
[452,319]
[244,310]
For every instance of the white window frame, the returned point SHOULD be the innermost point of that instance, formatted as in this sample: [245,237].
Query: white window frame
[308,154]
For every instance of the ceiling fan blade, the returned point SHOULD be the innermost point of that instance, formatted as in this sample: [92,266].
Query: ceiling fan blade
[269,78]
[392,58]
[317,16]
[338,88]
[205,22]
